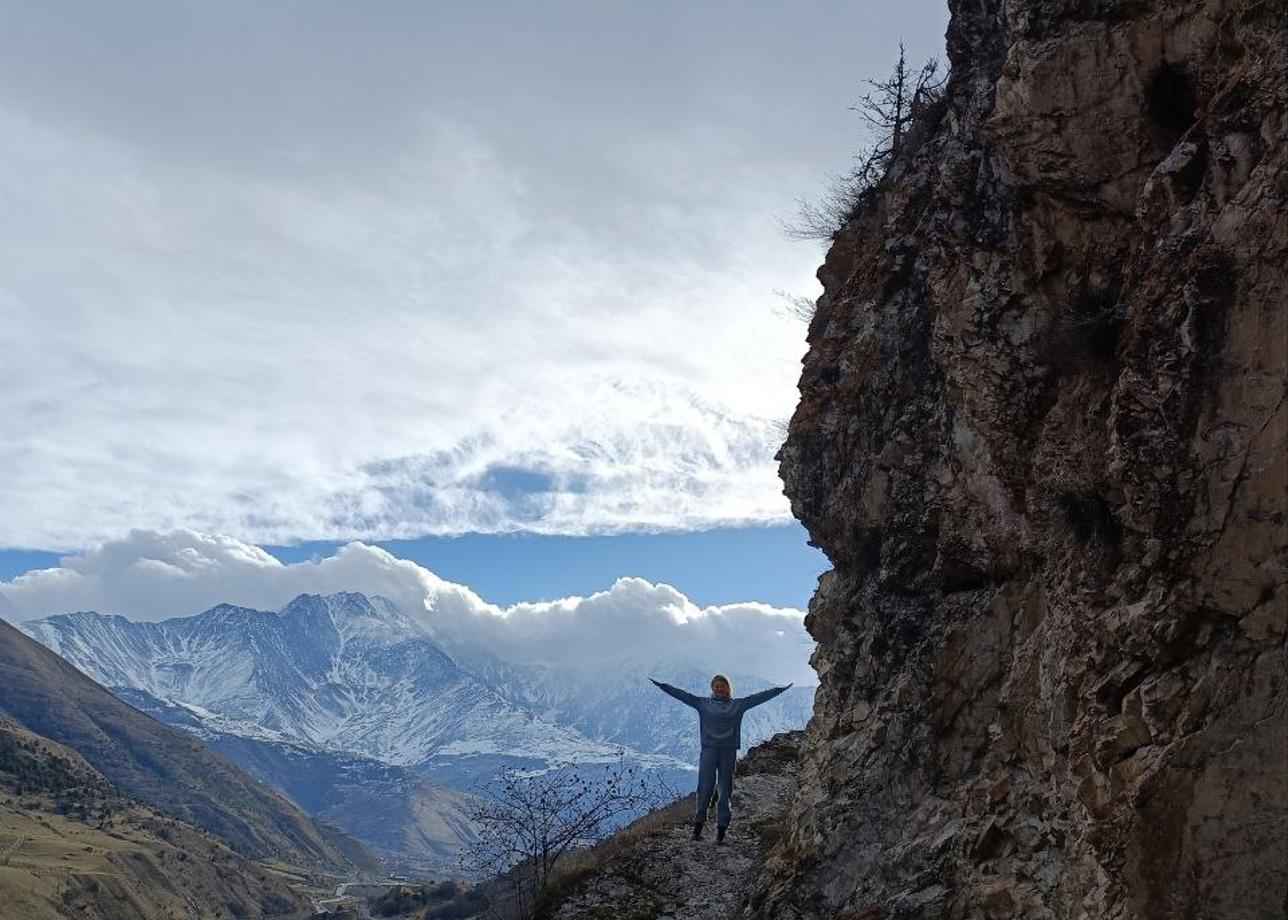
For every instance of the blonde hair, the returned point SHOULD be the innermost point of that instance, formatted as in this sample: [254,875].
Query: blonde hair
[725,679]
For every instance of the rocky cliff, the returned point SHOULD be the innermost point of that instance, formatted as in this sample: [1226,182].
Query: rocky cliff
[1042,438]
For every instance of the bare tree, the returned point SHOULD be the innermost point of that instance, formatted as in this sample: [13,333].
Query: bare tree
[892,110]
[527,822]
[894,103]
[796,306]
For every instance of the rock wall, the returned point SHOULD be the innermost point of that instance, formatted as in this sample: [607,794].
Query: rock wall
[1043,439]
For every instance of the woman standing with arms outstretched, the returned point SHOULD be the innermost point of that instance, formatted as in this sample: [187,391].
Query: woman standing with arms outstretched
[720,722]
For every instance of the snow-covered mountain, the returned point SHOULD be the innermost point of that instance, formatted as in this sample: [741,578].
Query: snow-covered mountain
[614,702]
[352,673]
[343,672]
[341,701]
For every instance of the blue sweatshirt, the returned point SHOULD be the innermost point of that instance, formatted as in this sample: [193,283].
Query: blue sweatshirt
[720,720]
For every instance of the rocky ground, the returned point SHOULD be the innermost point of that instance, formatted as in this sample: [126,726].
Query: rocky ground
[655,870]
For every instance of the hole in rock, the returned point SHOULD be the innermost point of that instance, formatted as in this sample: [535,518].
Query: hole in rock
[1084,335]
[1171,99]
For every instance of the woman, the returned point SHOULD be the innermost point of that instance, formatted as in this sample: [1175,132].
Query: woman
[720,722]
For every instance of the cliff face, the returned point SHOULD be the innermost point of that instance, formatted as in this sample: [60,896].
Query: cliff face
[1042,437]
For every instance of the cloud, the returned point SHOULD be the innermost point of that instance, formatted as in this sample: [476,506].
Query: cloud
[151,576]
[284,363]
[309,271]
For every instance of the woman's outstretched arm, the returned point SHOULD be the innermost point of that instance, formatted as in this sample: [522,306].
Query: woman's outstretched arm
[764,696]
[683,696]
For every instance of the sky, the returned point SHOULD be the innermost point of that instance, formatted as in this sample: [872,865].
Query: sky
[632,622]
[774,565]
[300,274]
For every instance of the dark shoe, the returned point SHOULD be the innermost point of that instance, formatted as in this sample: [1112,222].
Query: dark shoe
[697,830]
[720,832]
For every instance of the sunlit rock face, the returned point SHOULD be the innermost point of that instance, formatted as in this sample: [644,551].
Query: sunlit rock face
[1043,438]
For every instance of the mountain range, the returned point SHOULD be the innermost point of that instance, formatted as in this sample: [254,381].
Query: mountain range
[361,716]
[73,844]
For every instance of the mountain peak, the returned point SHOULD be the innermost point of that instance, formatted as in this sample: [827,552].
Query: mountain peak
[226,614]
[349,611]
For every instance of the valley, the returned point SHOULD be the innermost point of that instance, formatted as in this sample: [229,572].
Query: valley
[358,715]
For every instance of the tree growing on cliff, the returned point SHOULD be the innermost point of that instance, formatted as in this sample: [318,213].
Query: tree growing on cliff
[893,106]
[898,112]
[527,823]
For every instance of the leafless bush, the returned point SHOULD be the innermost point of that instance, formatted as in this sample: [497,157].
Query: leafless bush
[528,823]
[899,111]
[1083,336]
[623,845]
[844,195]
[895,106]
[797,306]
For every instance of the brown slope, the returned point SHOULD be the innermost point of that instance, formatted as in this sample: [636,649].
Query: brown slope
[161,766]
[72,845]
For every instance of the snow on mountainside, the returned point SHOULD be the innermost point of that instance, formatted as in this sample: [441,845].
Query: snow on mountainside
[346,705]
[344,672]
[412,822]
[614,702]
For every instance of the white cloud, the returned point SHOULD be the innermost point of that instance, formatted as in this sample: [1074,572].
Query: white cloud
[283,362]
[294,271]
[152,576]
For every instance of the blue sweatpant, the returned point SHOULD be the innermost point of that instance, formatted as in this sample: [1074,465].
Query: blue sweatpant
[715,769]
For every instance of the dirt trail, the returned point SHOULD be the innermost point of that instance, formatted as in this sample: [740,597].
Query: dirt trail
[658,872]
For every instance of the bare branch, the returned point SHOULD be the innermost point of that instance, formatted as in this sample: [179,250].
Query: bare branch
[529,822]
[896,111]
